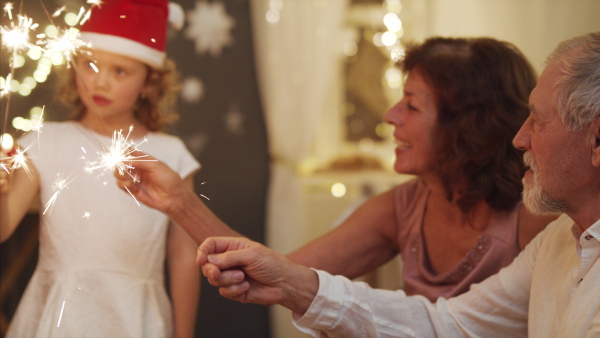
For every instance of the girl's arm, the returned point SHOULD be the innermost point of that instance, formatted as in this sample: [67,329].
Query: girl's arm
[363,242]
[184,278]
[17,192]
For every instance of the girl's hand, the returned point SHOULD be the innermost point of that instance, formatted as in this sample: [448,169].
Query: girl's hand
[5,171]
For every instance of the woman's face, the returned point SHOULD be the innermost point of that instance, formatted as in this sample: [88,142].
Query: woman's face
[415,119]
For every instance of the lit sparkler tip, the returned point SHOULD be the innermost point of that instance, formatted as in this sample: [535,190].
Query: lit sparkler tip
[67,43]
[118,156]
[16,38]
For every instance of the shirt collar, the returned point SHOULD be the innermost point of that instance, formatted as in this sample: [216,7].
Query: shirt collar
[579,235]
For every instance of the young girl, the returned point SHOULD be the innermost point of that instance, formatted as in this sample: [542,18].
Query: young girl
[101,263]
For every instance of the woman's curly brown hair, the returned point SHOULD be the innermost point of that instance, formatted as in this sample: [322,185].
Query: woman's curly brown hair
[155,109]
[482,87]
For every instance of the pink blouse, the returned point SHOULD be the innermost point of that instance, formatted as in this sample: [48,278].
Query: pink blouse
[495,248]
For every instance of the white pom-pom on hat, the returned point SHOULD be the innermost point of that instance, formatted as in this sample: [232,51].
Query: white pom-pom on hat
[176,16]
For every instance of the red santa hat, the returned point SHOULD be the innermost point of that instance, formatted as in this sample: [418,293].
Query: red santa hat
[133,28]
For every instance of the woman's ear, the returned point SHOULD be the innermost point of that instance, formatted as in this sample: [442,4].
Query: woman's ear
[596,143]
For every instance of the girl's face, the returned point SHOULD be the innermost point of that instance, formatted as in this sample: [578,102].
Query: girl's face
[415,122]
[110,84]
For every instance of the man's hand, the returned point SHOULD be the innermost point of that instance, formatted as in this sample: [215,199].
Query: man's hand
[248,272]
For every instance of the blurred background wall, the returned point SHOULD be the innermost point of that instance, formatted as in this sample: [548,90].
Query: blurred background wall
[282,103]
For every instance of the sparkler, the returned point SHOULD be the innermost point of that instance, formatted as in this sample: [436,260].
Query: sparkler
[67,43]
[119,155]
[16,37]
[15,157]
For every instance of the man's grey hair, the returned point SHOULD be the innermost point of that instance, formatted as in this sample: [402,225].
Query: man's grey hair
[579,90]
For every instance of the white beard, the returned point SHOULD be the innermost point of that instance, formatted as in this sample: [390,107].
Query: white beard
[535,198]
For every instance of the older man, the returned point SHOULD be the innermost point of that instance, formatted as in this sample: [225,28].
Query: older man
[552,289]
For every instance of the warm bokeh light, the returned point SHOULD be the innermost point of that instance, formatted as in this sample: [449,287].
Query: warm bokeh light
[393,77]
[7,142]
[392,22]
[338,190]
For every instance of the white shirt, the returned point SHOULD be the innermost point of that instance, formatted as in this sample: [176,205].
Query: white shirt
[552,289]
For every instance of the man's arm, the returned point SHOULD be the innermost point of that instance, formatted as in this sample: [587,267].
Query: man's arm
[248,272]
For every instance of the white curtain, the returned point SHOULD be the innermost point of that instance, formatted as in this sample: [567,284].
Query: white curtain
[534,26]
[297,61]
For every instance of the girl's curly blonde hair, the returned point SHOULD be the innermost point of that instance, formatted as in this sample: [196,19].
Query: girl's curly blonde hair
[155,109]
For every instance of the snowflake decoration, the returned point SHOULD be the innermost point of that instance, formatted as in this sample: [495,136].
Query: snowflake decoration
[234,121]
[210,27]
[192,89]
[197,142]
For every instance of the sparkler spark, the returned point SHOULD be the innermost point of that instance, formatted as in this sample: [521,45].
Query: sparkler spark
[59,11]
[119,155]
[8,9]
[66,42]
[16,159]
[6,90]
[208,199]
[58,186]
[16,37]
[39,123]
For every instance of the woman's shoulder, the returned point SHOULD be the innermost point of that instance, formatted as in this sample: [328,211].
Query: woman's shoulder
[410,191]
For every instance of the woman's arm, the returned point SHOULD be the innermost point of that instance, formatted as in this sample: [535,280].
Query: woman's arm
[17,192]
[363,242]
[184,278]
[161,188]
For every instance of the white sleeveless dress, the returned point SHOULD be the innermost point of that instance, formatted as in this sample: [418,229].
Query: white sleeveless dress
[100,271]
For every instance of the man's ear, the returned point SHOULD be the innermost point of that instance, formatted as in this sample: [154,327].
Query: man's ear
[596,143]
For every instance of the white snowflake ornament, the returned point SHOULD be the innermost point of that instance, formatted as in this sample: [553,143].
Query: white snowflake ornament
[234,121]
[192,89]
[210,27]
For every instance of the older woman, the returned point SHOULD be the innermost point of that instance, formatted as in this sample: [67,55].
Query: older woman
[461,219]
